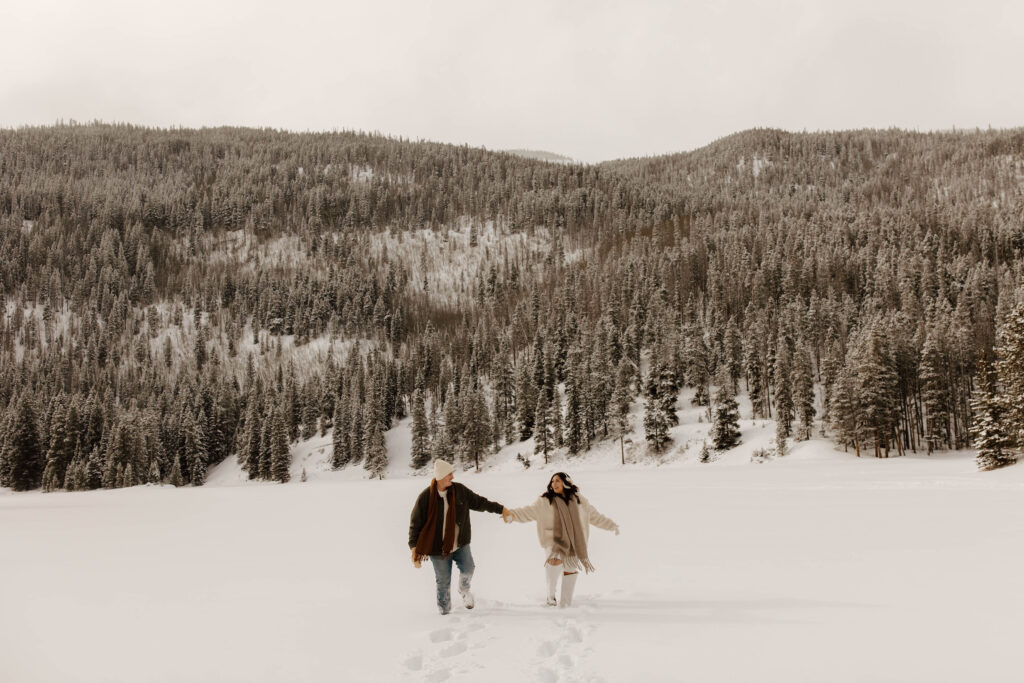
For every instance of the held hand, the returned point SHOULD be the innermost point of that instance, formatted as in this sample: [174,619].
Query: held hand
[506,515]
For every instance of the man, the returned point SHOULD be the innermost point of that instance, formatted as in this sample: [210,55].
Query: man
[439,529]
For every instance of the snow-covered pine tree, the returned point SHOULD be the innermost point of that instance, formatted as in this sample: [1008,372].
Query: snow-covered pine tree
[575,440]
[504,390]
[754,365]
[655,420]
[935,391]
[310,409]
[878,389]
[668,393]
[542,429]
[94,468]
[782,381]
[991,429]
[280,453]
[24,455]
[526,402]
[780,440]
[420,451]
[358,427]
[733,354]
[803,391]
[441,446]
[196,450]
[831,364]
[176,479]
[477,432]
[697,373]
[1010,368]
[61,446]
[847,415]
[266,432]
[725,433]
[618,406]
[249,453]
[376,452]
[601,386]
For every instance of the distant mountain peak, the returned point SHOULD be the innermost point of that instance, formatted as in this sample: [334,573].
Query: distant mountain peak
[541,155]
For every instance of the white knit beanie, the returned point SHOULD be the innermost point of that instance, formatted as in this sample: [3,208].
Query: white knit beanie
[442,468]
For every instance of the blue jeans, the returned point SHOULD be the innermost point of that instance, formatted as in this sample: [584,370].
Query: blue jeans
[443,573]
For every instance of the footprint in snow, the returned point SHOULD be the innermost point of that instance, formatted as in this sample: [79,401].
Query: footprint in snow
[546,675]
[414,662]
[454,649]
[441,635]
[547,648]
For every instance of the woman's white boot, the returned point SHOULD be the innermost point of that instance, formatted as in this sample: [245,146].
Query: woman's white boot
[568,586]
[551,573]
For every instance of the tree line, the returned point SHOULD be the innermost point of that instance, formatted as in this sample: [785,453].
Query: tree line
[159,285]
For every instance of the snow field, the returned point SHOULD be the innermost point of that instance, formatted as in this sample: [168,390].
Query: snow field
[804,569]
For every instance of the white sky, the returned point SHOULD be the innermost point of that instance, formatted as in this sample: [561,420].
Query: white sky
[589,79]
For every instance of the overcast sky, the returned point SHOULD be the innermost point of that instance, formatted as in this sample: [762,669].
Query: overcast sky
[592,80]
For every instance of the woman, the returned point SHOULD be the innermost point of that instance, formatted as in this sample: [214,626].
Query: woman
[563,519]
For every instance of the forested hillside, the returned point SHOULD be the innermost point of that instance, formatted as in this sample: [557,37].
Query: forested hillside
[176,297]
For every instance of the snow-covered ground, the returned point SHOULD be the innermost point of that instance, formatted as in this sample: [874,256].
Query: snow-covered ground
[817,567]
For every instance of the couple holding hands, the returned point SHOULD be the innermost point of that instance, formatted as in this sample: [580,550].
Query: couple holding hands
[439,529]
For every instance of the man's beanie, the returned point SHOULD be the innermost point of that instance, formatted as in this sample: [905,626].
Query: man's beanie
[442,468]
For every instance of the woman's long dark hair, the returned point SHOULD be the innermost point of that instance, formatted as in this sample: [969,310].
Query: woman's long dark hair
[570,488]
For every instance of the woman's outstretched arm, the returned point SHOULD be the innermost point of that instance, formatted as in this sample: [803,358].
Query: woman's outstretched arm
[525,514]
[599,520]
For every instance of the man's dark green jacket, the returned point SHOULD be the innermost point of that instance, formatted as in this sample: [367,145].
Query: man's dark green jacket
[465,500]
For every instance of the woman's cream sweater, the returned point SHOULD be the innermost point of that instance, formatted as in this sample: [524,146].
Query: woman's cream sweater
[543,512]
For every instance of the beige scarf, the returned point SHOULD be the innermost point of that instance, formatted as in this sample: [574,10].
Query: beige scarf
[570,541]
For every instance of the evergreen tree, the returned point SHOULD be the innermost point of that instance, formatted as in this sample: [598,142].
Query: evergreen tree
[420,456]
[803,391]
[526,402]
[725,433]
[878,388]
[94,468]
[991,429]
[441,447]
[543,430]
[847,415]
[733,355]
[575,437]
[781,448]
[935,393]
[619,405]
[340,439]
[196,451]
[655,421]
[477,433]
[698,374]
[1010,366]
[782,378]
[249,455]
[25,457]
[176,479]
[376,452]
[280,453]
